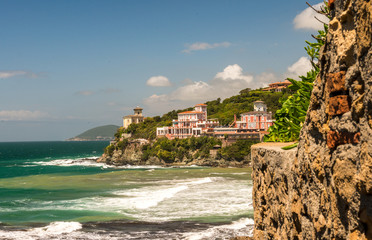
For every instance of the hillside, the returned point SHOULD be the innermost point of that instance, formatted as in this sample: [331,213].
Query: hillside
[222,110]
[97,134]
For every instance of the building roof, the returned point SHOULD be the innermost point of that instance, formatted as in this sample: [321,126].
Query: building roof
[201,104]
[138,108]
[133,116]
[254,112]
[259,101]
[190,112]
[285,82]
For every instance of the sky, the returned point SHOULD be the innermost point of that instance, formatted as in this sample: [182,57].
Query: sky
[68,66]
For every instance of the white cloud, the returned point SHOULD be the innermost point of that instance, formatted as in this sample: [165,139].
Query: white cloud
[225,84]
[21,115]
[306,19]
[192,92]
[158,81]
[234,72]
[156,99]
[204,46]
[301,67]
[10,74]
[263,79]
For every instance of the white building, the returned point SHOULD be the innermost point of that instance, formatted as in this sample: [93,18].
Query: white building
[137,117]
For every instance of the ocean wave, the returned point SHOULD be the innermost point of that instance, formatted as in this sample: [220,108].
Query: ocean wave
[87,162]
[50,231]
[113,230]
[147,197]
[242,227]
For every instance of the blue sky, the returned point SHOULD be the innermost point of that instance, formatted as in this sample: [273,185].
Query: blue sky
[68,66]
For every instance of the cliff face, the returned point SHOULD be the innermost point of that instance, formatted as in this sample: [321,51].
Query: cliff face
[133,155]
[325,191]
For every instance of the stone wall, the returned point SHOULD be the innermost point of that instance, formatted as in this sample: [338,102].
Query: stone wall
[328,193]
[272,183]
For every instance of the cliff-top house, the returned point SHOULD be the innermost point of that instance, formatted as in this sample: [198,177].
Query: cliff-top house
[137,117]
[277,86]
[252,125]
[189,123]
[258,119]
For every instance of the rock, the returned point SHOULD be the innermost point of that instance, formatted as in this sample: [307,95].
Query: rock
[324,189]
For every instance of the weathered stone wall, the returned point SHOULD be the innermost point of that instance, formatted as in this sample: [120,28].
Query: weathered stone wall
[272,184]
[329,192]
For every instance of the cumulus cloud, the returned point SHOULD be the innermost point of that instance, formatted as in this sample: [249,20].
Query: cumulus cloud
[194,91]
[301,67]
[18,73]
[263,79]
[198,46]
[158,81]
[229,82]
[225,84]
[156,99]
[233,72]
[21,115]
[306,19]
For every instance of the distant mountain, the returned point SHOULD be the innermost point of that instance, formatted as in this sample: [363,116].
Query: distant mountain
[101,133]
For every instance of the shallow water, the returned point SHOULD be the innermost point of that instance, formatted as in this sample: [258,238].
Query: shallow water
[66,196]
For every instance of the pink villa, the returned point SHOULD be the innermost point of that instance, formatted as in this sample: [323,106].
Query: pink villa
[258,120]
[189,123]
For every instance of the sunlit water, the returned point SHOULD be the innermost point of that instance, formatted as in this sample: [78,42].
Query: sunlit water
[49,190]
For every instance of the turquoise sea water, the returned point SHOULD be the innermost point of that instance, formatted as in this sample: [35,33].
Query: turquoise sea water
[55,190]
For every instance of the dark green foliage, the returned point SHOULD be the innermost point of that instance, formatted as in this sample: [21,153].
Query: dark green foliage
[122,144]
[109,150]
[290,118]
[224,111]
[169,150]
[238,150]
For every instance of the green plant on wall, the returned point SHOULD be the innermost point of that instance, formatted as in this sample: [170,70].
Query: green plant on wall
[290,118]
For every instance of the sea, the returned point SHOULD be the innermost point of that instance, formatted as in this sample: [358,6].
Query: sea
[56,190]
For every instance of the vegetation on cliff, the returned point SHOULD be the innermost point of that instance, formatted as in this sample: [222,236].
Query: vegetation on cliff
[222,110]
[290,118]
[184,150]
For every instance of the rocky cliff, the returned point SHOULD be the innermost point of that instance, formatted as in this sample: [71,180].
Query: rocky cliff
[133,153]
[325,190]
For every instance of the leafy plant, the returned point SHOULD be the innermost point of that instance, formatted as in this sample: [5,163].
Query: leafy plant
[290,118]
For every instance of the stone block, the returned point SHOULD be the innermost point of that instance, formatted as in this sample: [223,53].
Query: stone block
[335,138]
[336,82]
[338,105]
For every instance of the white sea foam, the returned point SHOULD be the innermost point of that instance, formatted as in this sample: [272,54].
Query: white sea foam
[148,197]
[242,227]
[56,228]
[52,231]
[89,162]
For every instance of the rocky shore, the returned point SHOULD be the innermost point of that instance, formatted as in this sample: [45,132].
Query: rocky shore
[133,155]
